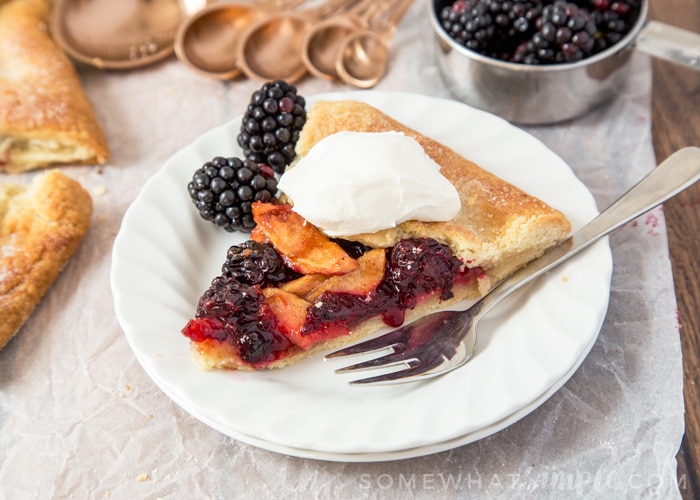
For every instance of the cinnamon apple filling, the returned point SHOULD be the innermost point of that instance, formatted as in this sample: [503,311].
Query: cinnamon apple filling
[283,293]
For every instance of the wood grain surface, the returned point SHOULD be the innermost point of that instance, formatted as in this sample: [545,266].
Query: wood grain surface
[675,124]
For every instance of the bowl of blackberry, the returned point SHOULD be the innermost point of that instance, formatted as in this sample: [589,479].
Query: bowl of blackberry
[536,62]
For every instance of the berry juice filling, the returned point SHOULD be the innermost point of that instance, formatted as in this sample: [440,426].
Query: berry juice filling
[415,268]
[236,313]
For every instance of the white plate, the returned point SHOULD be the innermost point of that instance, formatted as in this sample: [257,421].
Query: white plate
[165,256]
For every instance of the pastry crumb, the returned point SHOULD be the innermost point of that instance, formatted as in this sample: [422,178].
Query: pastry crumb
[564,279]
[143,477]
[99,190]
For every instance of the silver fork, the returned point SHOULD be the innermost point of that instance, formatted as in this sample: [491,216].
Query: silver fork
[441,342]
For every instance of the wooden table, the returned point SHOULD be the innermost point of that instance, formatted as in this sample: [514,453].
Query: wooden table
[676,123]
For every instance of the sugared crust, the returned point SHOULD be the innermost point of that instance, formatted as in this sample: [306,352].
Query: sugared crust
[41,225]
[499,227]
[41,97]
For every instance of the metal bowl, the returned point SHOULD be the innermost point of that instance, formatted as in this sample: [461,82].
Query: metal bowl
[530,95]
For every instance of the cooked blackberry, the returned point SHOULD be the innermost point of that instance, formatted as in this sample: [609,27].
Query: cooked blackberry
[354,249]
[224,189]
[227,296]
[271,124]
[416,266]
[253,332]
[256,263]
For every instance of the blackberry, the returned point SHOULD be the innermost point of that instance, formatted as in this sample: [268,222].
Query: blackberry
[565,33]
[354,249]
[621,7]
[539,31]
[237,313]
[226,297]
[516,20]
[490,27]
[254,263]
[224,189]
[271,125]
[416,266]
[614,20]
[469,22]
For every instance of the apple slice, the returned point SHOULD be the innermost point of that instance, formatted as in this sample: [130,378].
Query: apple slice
[289,310]
[304,248]
[303,286]
[258,235]
[359,282]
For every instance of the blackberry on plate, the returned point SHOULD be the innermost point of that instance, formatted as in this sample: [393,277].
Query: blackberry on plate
[271,124]
[255,263]
[224,189]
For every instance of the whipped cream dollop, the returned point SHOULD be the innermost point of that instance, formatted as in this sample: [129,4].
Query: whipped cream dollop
[361,182]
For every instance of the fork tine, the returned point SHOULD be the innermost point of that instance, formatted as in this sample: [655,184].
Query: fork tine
[408,374]
[414,333]
[389,340]
[411,368]
[388,361]
[399,349]
[415,371]
[362,349]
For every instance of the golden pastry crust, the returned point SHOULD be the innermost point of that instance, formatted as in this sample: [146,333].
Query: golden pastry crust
[45,116]
[499,227]
[41,226]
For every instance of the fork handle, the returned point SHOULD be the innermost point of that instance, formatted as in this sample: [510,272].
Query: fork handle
[678,172]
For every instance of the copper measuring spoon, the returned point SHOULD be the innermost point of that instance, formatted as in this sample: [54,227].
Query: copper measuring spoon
[207,41]
[119,34]
[322,42]
[270,48]
[363,57]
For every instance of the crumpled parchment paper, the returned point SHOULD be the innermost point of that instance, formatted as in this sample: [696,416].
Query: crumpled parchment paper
[80,418]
